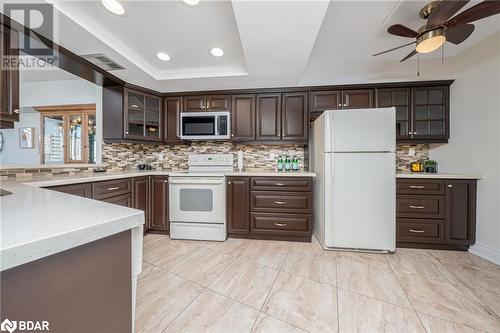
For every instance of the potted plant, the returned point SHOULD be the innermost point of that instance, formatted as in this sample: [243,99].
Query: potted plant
[430,166]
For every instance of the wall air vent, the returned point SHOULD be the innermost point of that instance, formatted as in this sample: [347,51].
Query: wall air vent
[103,62]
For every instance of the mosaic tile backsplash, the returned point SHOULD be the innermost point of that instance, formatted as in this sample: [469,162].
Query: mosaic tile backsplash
[128,156]
[256,157]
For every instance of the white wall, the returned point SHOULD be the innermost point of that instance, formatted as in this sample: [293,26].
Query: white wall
[474,146]
[45,93]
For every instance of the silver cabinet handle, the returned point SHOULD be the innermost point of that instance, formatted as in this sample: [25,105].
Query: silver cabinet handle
[450,186]
[417,207]
[16,110]
[165,181]
[409,133]
[229,183]
[279,184]
[416,231]
[126,132]
[113,188]
[417,186]
[415,133]
[280,202]
[281,224]
[340,105]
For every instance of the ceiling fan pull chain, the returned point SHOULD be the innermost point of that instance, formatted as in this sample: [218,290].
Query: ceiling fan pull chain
[418,64]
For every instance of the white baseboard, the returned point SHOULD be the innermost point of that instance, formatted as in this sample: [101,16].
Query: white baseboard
[485,252]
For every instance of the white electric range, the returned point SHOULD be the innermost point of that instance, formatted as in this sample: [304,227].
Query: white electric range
[197,198]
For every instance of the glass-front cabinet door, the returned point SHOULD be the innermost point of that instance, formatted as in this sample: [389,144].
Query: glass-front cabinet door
[430,112]
[142,116]
[400,99]
[153,118]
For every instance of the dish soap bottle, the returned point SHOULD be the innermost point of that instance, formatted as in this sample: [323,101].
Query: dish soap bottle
[280,163]
[288,163]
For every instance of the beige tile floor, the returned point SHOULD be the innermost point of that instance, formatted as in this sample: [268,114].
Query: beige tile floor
[269,286]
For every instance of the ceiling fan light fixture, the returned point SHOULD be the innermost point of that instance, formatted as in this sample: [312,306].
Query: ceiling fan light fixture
[114,6]
[430,41]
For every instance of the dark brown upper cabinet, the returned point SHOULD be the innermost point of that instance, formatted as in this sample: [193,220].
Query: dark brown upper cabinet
[268,117]
[238,205]
[142,116]
[172,107]
[9,78]
[357,98]
[340,99]
[400,99]
[430,114]
[294,117]
[207,103]
[243,118]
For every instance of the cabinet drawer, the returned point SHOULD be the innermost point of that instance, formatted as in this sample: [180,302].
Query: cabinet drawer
[81,190]
[110,188]
[419,186]
[281,224]
[420,206]
[282,202]
[295,184]
[124,200]
[410,230]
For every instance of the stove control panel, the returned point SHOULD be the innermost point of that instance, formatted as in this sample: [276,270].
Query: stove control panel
[213,160]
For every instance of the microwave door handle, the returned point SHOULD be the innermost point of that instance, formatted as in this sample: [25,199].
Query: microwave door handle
[216,124]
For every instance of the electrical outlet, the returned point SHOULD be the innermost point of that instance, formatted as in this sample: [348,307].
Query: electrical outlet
[411,151]
[272,156]
[160,156]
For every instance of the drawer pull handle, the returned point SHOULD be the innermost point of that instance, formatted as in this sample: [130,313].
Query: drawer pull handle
[416,231]
[281,224]
[280,202]
[417,207]
[417,186]
[113,188]
[279,184]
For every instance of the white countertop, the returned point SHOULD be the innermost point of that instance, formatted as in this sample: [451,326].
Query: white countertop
[36,222]
[435,175]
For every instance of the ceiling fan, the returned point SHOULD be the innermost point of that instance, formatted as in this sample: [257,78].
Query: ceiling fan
[442,26]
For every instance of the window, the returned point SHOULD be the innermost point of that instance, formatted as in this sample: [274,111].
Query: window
[68,134]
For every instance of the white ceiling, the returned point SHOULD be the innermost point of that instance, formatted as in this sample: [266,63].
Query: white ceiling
[266,43]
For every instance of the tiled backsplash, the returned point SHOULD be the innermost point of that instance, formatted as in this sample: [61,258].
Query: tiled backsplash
[403,160]
[256,157]
[126,156]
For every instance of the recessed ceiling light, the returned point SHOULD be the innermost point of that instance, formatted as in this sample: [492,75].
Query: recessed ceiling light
[114,6]
[191,2]
[163,56]
[217,52]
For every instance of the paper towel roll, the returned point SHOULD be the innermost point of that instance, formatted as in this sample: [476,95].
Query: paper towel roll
[240,161]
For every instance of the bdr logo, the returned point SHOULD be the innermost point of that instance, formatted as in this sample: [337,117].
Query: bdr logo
[24,325]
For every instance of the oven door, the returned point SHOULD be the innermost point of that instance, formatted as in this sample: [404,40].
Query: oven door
[198,125]
[197,199]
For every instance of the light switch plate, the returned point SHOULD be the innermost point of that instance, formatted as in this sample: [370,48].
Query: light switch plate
[160,156]
[411,151]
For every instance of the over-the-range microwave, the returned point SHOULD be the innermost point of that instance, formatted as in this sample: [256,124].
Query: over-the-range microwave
[205,125]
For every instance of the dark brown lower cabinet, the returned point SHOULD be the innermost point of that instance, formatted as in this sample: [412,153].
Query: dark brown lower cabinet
[436,213]
[159,203]
[266,208]
[141,198]
[238,205]
[124,200]
[81,190]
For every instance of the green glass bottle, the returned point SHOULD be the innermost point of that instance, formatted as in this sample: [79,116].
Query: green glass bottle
[280,163]
[288,163]
[295,164]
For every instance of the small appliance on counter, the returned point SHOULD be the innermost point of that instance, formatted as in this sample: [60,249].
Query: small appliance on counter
[144,167]
[429,166]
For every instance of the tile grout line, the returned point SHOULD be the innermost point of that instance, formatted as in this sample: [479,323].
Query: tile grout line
[470,289]
[183,310]
[406,295]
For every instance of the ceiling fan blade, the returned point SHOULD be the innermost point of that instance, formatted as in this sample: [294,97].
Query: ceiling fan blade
[481,10]
[458,34]
[394,48]
[401,30]
[444,11]
[411,54]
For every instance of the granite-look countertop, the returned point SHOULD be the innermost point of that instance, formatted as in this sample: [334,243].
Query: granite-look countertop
[435,175]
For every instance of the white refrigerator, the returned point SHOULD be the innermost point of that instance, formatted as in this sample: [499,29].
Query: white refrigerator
[355,188]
